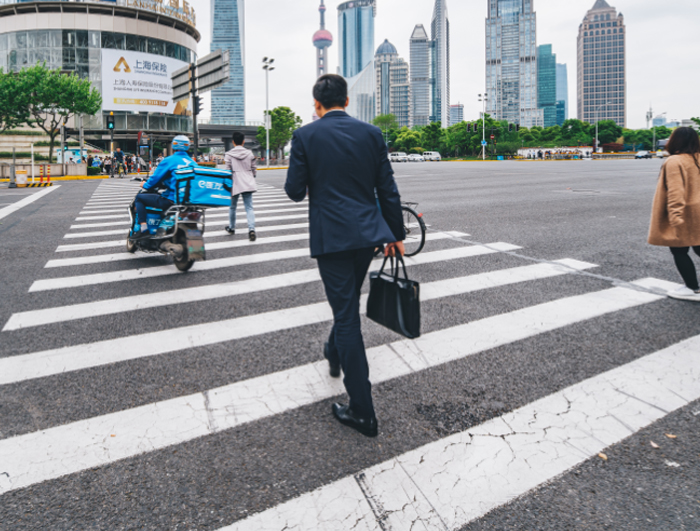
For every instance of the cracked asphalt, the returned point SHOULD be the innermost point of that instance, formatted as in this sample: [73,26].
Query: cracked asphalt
[595,212]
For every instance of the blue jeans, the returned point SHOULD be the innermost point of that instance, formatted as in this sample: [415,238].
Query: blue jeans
[150,200]
[250,214]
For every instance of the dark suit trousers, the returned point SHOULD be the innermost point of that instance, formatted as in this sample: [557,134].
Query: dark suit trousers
[343,274]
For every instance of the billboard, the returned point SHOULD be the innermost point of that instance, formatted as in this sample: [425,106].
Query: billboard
[139,82]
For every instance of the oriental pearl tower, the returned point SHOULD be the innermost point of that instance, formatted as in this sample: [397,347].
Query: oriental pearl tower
[322,41]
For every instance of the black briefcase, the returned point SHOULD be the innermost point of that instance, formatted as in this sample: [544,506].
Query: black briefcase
[394,302]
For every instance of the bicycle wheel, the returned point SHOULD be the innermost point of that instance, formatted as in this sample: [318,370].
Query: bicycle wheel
[415,231]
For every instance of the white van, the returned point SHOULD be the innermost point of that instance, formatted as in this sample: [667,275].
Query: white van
[398,157]
[432,155]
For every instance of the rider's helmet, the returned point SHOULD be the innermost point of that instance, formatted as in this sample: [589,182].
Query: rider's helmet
[181,143]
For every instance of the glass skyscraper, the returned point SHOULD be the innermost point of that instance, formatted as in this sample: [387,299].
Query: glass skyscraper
[420,76]
[601,85]
[511,62]
[440,64]
[547,84]
[393,84]
[562,94]
[356,55]
[228,33]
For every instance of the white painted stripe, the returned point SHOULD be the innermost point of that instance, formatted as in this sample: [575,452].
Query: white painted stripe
[116,257]
[14,207]
[211,219]
[124,231]
[453,481]
[55,452]
[265,209]
[207,235]
[93,209]
[229,289]
[91,213]
[209,265]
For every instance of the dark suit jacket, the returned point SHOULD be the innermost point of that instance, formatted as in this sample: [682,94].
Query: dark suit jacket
[342,161]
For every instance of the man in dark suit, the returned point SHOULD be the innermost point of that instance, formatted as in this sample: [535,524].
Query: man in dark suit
[344,165]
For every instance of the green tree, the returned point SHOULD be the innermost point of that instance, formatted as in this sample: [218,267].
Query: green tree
[14,107]
[283,124]
[407,140]
[433,136]
[697,122]
[608,131]
[386,122]
[54,97]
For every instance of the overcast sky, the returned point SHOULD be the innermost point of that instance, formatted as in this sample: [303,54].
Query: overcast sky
[663,49]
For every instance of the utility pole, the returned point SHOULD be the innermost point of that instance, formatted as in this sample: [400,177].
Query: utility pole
[483,98]
[63,149]
[82,138]
[195,107]
[267,67]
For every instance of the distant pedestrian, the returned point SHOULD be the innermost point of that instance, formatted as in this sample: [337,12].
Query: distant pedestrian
[241,162]
[675,218]
[340,163]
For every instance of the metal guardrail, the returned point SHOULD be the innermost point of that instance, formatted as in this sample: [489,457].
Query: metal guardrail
[241,123]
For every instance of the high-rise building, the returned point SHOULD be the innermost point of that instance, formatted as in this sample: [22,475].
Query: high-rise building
[228,33]
[420,76]
[601,75]
[322,41]
[356,55]
[456,114]
[511,62]
[393,84]
[440,64]
[562,94]
[547,84]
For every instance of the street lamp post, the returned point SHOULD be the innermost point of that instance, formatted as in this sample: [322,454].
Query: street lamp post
[483,98]
[596,123]
[267,67]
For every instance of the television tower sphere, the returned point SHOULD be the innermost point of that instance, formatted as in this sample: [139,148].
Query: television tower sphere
[323,39]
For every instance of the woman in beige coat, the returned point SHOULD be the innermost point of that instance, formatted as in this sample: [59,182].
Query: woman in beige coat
[675,218]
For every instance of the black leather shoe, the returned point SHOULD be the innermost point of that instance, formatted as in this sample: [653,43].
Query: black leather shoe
[230,230]
[334,364]
[344,414]
[251,235]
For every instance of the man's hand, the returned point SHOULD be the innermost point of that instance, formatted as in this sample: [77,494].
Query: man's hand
[390,249]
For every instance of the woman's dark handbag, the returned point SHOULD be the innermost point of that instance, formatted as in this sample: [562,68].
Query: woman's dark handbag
[394,302]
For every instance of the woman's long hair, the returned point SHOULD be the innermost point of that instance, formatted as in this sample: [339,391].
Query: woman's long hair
[685,140]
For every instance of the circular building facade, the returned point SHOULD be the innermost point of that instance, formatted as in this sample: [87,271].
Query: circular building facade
[128,49]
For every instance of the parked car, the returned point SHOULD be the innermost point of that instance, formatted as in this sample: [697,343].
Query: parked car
[643,155]
[414,157]
[398,156]
[432,155]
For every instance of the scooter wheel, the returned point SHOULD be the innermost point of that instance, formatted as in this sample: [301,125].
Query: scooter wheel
[130,245]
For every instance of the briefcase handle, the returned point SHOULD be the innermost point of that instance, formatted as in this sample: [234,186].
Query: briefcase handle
[395,271]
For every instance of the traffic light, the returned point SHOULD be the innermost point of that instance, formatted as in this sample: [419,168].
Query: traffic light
[110,121]
[517,128]
[197,105]
[510,128]
[469,128]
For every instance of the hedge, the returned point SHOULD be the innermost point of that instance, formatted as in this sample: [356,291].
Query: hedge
[22,155]
[17,132]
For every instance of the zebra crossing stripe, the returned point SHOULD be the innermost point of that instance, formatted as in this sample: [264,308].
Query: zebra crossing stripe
[158,271]
[229,289]
[211,219]
[123,231]
[116,257]
[453,481]
[207,235]
[55,452]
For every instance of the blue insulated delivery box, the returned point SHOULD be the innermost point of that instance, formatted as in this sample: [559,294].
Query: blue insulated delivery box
[206,187]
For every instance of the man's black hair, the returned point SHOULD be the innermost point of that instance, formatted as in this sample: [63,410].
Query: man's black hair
[331,90]
[238,138]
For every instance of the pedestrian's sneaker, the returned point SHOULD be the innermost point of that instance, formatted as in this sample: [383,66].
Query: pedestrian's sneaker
[230,230]
[251,236]
[685,294]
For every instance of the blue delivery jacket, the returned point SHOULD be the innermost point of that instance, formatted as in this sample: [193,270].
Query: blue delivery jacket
[165,173]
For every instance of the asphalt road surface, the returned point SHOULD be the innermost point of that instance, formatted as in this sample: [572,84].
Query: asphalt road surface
[555,386]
